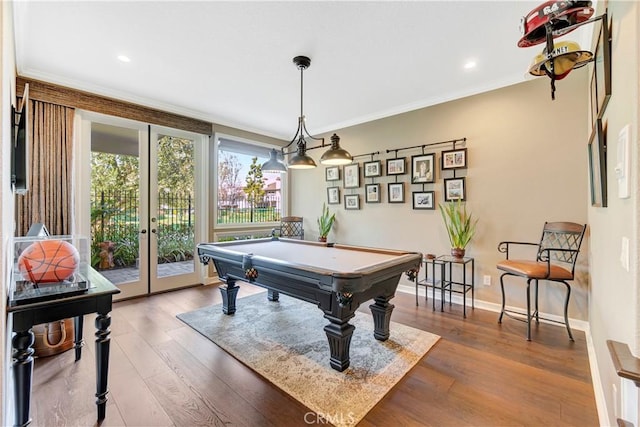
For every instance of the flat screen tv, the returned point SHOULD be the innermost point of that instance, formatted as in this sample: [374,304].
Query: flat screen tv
[20,149]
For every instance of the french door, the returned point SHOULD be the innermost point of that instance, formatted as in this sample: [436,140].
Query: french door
[142,203]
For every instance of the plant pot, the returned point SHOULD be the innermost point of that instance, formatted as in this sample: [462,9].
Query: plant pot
[322,239]
[457,252]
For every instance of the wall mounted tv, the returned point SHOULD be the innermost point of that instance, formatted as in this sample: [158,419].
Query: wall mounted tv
[20,149]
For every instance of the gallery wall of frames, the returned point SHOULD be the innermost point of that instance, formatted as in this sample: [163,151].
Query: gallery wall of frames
[415,176]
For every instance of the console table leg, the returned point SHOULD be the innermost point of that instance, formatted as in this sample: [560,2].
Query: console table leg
[103,321]
[229,292]
[381,312]
[78,323]
[339,333]
[22,372]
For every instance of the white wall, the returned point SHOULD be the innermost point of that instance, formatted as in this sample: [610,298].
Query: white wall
[613,303]
[527,164]
[7,91]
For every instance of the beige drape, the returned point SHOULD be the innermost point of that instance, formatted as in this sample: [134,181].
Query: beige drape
[48,199]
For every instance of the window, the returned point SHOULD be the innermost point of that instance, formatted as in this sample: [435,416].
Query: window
[245,195]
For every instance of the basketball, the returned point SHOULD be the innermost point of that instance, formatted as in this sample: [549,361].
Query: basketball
[48,261]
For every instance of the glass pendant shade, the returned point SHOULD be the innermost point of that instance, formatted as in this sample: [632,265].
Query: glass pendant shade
[336,155]
[273,164]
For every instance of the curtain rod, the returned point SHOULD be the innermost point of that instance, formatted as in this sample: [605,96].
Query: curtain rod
[427,145]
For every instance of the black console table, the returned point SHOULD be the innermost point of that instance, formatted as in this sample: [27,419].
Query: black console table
[442,278]
[97,299]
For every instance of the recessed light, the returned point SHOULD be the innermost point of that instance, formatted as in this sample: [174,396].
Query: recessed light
[470,64]
[124,58]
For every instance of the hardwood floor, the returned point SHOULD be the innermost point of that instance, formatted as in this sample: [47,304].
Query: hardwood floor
[163,373]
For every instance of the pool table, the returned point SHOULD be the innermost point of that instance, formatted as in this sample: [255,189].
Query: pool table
[337,278]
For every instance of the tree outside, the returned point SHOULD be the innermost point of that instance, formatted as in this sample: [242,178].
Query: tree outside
[254,188]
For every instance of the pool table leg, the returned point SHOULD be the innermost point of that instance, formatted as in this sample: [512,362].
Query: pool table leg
[273,295]
[381,312]
[229,292]
[339,333]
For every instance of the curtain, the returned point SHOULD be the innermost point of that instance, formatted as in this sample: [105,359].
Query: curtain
[48,198]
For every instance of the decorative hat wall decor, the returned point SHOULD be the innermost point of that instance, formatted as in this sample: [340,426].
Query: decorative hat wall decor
[566,56]
[546,22]
[562,16]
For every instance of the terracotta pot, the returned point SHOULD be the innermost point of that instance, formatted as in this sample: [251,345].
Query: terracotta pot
[457,252]
[322,239]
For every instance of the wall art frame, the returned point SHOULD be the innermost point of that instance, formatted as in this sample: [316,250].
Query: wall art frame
[372,169]
[333,195]
[598,165]
[395,190]
[454,159]
[423,200]
[332,173]
[396,166]
[454,189]
[602,68]
[352,175]
[372,193]
[422,168]
[351,202]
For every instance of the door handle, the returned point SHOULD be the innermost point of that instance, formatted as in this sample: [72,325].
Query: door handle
[153,230]
[143,231]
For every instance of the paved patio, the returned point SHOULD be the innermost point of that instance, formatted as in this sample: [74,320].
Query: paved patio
[124,275]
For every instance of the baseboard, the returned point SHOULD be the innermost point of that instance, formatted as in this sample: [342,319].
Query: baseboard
[580,325]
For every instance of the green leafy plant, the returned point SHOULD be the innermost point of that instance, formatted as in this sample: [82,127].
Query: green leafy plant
[459,223]
[325,221]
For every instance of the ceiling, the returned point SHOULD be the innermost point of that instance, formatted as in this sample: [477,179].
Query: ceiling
[231,62]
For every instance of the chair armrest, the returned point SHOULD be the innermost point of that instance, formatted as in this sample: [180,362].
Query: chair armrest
[503,247]
[545,254]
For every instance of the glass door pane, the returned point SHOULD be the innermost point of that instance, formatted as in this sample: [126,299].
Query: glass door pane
[175,218]
[118,211]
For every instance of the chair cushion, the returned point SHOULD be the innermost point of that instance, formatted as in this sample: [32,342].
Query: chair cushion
[534,270]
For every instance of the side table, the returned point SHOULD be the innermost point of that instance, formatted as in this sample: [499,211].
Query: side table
[435,281]
[98,299]
[464,284]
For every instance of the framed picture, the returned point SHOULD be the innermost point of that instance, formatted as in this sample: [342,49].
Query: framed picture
[422,169]
[352,175]
[602,68]
[593,109]
[333,195]
[372,193]
[598,166]
[396,192]
[454,159]
[372,169]
[454,189]
[351,201]
[396,166]
[423,200]
[332,173]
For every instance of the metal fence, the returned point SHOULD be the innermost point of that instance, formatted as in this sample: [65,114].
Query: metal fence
[114,208]
[241,212]
[115,212]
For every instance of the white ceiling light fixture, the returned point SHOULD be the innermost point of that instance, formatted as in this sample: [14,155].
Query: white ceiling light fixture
[124,58]
[300,160]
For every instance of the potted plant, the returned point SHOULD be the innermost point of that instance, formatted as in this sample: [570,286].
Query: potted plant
[325,222]
[460,226]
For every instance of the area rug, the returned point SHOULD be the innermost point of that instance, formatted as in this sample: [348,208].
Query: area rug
[285,342]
